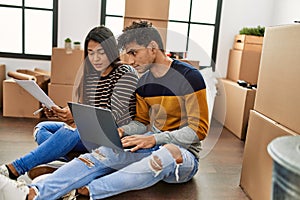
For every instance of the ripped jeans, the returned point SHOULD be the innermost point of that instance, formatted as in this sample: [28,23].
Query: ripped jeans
[107,172]
[55,140]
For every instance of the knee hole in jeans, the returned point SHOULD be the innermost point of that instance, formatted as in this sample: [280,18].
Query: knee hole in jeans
[86,161]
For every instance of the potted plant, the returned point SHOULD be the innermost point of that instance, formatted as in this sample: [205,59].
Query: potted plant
[77,45]
[68,45]
[255,31]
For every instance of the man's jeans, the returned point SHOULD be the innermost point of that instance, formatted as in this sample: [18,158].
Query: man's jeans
[55,140]
[108,172]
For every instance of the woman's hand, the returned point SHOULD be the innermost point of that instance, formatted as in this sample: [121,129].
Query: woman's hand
[49,113]
[64,114]
[138,142]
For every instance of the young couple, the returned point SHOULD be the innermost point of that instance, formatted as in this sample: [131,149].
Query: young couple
[165,134]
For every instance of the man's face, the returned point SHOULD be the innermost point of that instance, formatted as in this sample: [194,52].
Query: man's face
[141,58]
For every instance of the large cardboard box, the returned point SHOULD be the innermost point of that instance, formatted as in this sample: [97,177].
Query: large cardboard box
[17,102]
[244,64]
[2,78]
[60,93]
[242,42]
[64,65]
[278,94]
[232,105]
[154,9]
[256,175]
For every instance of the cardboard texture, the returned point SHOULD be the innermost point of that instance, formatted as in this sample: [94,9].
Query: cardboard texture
[60,93]
[278,94]
[64,66]
[17,102]
[244,64]
[242,42]
[238,103]
[251,39]
[2,78]
[256,175]
[154,9]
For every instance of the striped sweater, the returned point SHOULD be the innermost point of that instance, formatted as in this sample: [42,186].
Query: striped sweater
[114,91]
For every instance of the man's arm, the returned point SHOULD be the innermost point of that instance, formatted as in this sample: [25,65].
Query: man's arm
[197,127]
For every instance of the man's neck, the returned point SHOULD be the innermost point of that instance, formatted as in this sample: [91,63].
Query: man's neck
[161,66]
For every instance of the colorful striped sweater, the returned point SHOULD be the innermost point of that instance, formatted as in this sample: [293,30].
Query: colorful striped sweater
[175,104]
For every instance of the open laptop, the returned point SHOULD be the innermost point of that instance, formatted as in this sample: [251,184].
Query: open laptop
[96,126]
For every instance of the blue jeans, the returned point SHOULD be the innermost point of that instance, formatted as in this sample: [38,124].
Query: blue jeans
[54,140]
[107,172]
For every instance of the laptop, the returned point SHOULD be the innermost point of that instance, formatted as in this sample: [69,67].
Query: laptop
[96,126]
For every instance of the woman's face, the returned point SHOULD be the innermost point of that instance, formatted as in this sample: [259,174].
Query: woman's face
[97,56]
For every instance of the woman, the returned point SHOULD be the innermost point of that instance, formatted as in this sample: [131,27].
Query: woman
[106,82]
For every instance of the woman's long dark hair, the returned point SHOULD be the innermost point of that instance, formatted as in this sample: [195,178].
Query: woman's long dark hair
[108,42]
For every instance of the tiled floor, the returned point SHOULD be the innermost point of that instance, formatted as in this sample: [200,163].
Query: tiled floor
[217,179]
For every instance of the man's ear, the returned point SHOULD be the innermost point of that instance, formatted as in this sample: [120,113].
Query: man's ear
[153,45]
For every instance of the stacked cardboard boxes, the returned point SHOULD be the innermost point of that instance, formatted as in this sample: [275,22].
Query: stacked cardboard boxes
[17,102]
[244,58]
[232,106]
[64,69]
[2,78]
[233,102]
[155,11]
[276,110]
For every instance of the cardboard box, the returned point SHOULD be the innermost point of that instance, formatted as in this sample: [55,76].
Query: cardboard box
[232,106]
[17,102]
[244,64]
[42,79]
[242,42]
[64,66]
[154,9]
[256,175]
[278,94]
[251,39]
[2,78]
[60,93]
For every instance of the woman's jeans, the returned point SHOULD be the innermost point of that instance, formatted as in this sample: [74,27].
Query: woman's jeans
[107,172]
[55,140]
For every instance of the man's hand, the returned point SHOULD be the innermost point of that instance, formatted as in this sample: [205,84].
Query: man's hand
[64,114]
[138,142]
[121,132]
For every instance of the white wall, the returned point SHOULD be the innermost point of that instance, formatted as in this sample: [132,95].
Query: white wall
[237,14]
[75,19]
[286,11]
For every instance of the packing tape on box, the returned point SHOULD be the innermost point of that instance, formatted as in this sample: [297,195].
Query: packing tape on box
[21,76]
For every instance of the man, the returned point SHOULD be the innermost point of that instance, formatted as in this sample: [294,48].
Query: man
[171,103]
